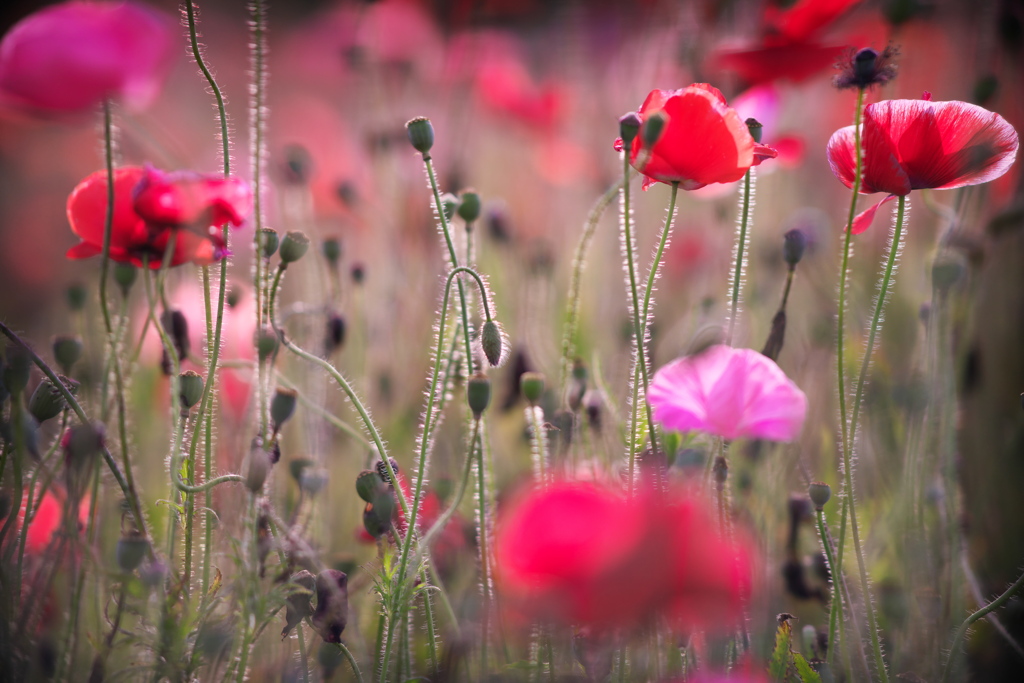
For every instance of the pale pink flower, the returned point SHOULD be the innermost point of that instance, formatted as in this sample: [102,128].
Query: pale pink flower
[70,57]
[731,393]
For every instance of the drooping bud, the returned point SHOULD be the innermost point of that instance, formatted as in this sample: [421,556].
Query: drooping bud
[793,245]
[77,297]
[269,241]
[331,249]
[266,343]
[299,604]
[469,205]
[47,400]
[282,407]
[820,493]
[132,548]
[478,394]
[532,386]
[124,276]
[334,338]
[652,128]
[176,326]
[293,247]
[67,350]
[331,615]
[492,342]
[421,134]
[629,126]
[755,128]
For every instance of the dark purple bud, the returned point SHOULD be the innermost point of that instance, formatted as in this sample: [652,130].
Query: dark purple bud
[331,613]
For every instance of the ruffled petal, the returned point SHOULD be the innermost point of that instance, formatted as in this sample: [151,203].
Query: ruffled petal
[862,221]
[87,209]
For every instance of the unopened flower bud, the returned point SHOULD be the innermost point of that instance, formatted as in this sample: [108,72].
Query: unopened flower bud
[47,400]
[532,386]
[131,550]
[266,343]
[293,247]
[653,127]
[478,394]
[124,276]
[469,205]
[820,493]
[331,615]
[492,342]
[449,205]
[369,485]
[16,367]
[377,514]
[190,384]
[756,129]
[331,249]
[76,297]
[421,134]
[334,339]
[257,468]
[299,604]
[282,407]
[269,241]
[629,126]
[176,326]
[67,350]
[793,245]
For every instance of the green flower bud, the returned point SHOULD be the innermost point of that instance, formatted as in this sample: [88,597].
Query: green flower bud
[331,249]
[282,407]
[266,343]
[369,485]
[629,126]
[124,276]
[190,384]
[297,466]
[421,134]
[793,245]
[478,394]
[491,339]
[131,550]
[293,247]
[313,480]
[653,127]
[755,128]
[377,514]
[469,206]
[820,493]
[269,240]
[532,386]
[76,297]
[47,400]
[67,350]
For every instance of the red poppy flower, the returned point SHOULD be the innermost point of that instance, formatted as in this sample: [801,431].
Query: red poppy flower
[704,141]
[584,554]
[148,205]
[919,144]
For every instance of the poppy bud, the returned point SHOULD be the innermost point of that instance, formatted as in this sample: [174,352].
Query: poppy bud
[492,342]
[16,369]
[793,245]
[190,384]
[377,514]
[268,241]
[358,273]
[76,297]
[629,126]
[131,549]
[820,493]
[67,350]
[369,485]
[297,466]
[266,343]
[331,249]
[124,276]
[293,247]
[176,326]
[234,296]
[299,604]
[449,205]
[421,134]
[653,127]
[335,336]
[756,129]
[257,468]
[282,407]
[469,205]
[946,272]
[331,613]
[532,386]
[47,400]
[478,394]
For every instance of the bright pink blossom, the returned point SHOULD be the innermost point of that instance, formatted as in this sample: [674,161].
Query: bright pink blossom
[70,57]
[586,554]
[704,141]
[731,393]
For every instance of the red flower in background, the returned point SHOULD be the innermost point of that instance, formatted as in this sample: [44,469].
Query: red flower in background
[704,141]
[581,553]
[70,57]
[919,144]
[148,205]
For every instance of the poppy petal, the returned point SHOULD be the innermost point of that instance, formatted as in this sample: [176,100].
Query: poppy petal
[862,221]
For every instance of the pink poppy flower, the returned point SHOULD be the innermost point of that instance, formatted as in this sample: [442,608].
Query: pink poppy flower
[731,393]
[919,144]
[70,57]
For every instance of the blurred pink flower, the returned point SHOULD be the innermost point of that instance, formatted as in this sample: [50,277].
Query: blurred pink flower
[70,57]
[731,393]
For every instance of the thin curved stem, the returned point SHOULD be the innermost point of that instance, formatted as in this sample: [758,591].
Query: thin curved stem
[961,632]
[351,661]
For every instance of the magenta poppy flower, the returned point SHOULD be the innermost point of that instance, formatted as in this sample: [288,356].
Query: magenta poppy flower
[731,393]
[919,144]
[70,57]
[704,140]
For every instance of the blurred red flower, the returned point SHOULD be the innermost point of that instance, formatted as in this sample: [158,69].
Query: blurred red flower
[704,141]
[70,57]
[582,553]
[920,144]
[47,519]
[148,205]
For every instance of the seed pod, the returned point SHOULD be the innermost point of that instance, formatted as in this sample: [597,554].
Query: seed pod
[469,205]
[793,245]
[478,394]
[755,128]
[76,297]
[266,343]
[335,336]
[269,241]
[67,350]
[131,550]
[47,400]
[532,386]
[282,407]
[820,493]
[421,134]
[190,384]
[653,127]
[293,247]
[369,485]
[331,249]
[629,126]
[124,276]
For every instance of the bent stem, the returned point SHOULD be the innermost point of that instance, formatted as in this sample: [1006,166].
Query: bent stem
[741,244]
[961,632]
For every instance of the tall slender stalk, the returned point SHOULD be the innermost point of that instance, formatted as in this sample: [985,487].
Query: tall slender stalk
[741,244]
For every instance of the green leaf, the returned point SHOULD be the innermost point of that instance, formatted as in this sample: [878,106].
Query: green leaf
[808,674]
[778,665]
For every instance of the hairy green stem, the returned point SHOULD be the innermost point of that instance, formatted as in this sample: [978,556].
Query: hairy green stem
[741,244]
[961,632]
